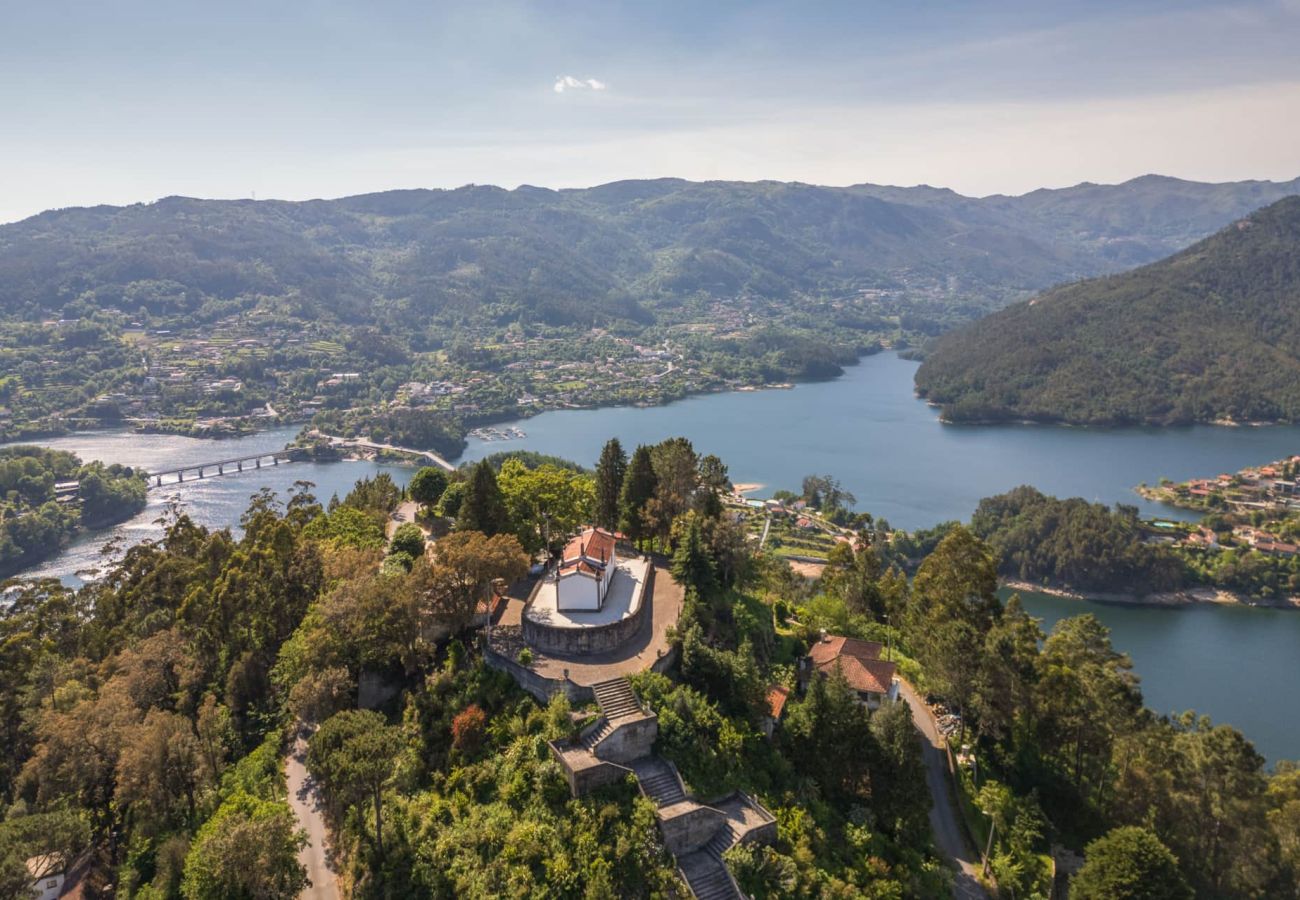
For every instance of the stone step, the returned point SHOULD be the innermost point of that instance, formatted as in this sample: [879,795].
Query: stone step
[598,735]
[711,882]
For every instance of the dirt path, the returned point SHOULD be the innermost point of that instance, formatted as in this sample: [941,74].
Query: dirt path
[306,805]
[944,817]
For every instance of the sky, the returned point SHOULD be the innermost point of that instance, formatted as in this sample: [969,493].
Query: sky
[119,102]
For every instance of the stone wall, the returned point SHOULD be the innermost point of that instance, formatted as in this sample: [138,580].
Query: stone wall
[541,687]
[630,740]
[598,638]
[691,828]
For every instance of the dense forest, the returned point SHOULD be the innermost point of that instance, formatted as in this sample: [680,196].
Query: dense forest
[1208,334]
[1075,544]
[34,523]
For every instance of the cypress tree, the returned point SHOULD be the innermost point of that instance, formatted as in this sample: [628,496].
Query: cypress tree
[483,508]
[610,472]
[639,485]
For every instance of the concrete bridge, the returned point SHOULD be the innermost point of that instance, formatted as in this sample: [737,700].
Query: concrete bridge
[224,466]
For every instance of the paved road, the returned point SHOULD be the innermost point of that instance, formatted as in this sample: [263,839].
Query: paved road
[944,817]
[404,513]
[306,804]
[373,445]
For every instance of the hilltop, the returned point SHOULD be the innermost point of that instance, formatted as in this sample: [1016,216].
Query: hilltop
[1210,334]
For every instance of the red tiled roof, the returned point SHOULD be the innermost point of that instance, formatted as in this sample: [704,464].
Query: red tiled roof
[863,675]
[858,660]
[777,694]
[834,645]
[589,552]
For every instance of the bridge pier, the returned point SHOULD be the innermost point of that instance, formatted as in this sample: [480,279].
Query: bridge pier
[159,481]
[241,465]
[259,462]
[180,476]
[275,460]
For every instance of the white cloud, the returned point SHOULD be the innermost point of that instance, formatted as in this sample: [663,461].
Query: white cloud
[569,83]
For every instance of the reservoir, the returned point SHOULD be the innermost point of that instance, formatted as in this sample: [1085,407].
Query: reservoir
[869,430]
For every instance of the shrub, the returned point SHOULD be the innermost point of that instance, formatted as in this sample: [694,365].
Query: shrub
[468,729]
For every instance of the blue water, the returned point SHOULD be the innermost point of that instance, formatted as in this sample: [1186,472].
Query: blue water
[869,430]
[1240,666]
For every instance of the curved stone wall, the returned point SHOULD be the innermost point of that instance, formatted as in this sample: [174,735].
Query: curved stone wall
[597,638]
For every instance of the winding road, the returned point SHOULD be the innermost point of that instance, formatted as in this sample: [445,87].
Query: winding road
[945,820]
[305,801]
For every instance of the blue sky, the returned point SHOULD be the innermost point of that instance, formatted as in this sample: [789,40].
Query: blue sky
[118,102]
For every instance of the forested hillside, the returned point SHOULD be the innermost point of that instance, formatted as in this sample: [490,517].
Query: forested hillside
[1210,333]
[594,254]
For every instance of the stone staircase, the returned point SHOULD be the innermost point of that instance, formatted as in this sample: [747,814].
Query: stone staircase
[707,877]
[697,834]
[659,781]
[616,699]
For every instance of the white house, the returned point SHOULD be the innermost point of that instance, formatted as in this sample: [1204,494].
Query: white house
[583,576]
[47,875]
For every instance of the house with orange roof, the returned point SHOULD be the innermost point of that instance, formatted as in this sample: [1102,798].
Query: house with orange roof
[858,661]
[777,695]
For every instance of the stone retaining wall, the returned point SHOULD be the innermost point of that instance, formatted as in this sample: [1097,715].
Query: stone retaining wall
[541,687]
[596,639]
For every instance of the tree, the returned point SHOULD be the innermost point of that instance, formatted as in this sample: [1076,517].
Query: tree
[248,850]
[462,572]
[610,471]
[953,606]
[408,539]
[427,485]
[676,469]
[899,794]
[638,489]
[692,565]
[484,508]
[714,482]
[1129,863]
[468,729]
[1086,697]
[546,503]
[833,738]
[353,755]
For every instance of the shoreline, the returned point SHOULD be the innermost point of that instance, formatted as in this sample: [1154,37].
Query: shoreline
[1170,600]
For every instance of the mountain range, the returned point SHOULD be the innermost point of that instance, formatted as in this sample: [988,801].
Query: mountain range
[618,251]
[1211,333]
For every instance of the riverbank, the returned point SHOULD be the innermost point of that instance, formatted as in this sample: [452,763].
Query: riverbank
[1170,599]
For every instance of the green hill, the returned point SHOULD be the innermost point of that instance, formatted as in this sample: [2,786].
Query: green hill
[1211,333]
[618,251]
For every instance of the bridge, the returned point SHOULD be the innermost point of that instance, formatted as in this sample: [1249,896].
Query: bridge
[224,466]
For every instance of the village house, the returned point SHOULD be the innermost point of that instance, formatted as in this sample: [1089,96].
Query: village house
[777,695]
[858,661]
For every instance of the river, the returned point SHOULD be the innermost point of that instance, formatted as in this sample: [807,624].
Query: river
[868,429]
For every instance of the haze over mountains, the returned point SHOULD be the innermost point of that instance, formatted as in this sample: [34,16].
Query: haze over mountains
[1210,333]
[614,251]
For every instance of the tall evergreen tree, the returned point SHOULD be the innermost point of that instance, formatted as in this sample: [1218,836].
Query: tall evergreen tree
[692,565]
[638,489]
[610,472]
[483,508]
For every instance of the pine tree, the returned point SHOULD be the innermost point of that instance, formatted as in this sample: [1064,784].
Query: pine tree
[692,564]
[610,472]
[483,508]
[639,484]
